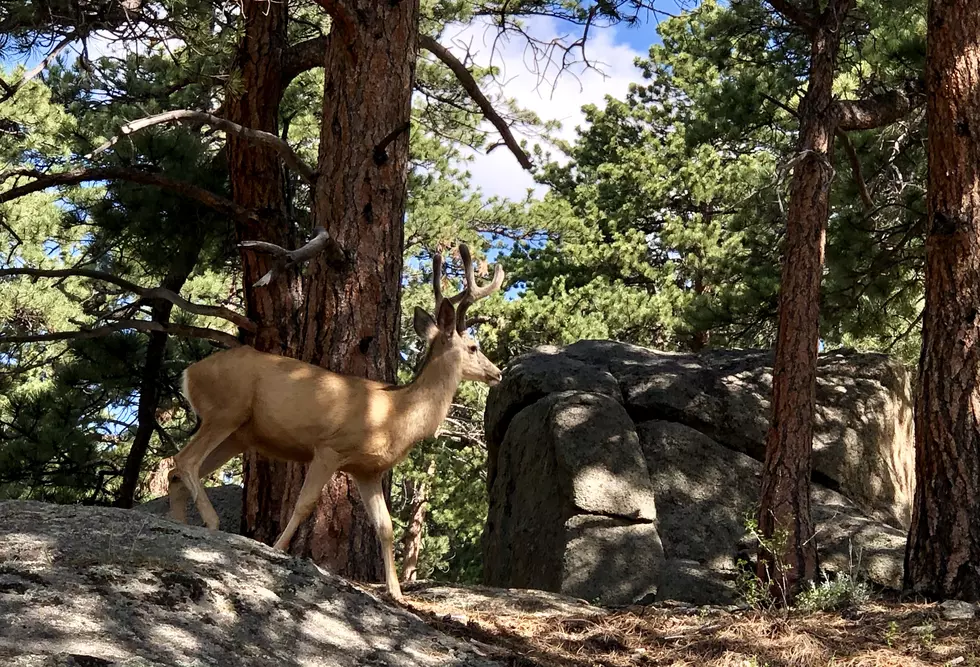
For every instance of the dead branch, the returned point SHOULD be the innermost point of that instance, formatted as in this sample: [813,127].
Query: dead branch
[145,293]
[75,176]
[10,89]
[473,89]
[179,330]
[381,150]
[289,156]
[285,259]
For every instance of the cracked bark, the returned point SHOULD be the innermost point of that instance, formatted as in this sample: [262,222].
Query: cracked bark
[943,550]
[351,314]
[785,495]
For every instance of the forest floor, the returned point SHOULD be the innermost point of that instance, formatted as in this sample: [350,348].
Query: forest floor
[575,634]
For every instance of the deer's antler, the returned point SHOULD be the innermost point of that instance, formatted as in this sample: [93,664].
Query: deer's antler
[471,293]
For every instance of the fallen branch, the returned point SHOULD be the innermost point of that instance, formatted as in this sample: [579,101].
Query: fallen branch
[289,156]
[145,293]
[320,243]
[179,330]
[473,89]
[75,176]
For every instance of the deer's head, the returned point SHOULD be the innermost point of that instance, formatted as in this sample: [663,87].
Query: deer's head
[447,334]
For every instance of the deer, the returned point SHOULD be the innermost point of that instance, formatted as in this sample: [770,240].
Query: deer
[290,410]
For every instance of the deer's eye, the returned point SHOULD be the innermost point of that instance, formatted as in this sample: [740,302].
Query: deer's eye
[472,349]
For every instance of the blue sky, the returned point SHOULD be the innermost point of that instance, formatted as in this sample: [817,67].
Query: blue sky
[641,36]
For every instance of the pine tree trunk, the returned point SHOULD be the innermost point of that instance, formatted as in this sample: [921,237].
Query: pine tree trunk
[257,182]
[943,553]
[352,315]
[412,540]
[256,175]
[156,353]
[784,510]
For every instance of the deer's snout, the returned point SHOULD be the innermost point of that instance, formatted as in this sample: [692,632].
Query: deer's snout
[494,375]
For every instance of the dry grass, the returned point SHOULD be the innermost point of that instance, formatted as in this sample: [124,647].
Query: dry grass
[880,634]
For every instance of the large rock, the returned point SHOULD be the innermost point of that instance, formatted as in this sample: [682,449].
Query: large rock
[575,502]
[226,500]
[862,445]
[533,377]
[706,491]
[103,586]
[553,424]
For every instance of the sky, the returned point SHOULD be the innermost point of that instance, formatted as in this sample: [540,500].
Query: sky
[612,50]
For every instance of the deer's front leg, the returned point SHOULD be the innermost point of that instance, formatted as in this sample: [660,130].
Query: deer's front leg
[374,502]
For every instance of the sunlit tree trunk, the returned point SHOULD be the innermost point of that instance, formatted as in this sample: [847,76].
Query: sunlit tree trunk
[412,539]
[351,314]
[943,554]
[784,512]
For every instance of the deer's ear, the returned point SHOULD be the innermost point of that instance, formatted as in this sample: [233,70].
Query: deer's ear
[446,317]
[425,326]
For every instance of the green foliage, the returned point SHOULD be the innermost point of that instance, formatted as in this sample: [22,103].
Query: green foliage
[841,592]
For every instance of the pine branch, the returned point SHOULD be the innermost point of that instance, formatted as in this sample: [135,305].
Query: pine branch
[877,111]
[302,57]
[75,176]
[341,17]
[789,11]
[289,156]
[320,243]
[146,293]
[179,330]
[473,89]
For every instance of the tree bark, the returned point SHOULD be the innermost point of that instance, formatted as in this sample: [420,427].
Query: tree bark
[360,200]
[784,509]
[351,314]
[257,182]
[943,551]
[412,540]
[256,175]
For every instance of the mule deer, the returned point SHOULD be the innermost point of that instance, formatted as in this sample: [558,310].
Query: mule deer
[290,410]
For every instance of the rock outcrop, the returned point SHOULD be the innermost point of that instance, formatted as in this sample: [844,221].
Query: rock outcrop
[111,587]
[621,474]
[226,500]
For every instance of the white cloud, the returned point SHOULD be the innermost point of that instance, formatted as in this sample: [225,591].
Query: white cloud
[498,173]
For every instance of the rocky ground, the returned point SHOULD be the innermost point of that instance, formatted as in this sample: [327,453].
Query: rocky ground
[103,587]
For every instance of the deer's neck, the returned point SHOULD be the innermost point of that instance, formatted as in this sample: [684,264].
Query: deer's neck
[425,402]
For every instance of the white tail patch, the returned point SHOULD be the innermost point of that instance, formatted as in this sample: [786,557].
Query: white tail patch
[185,390]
